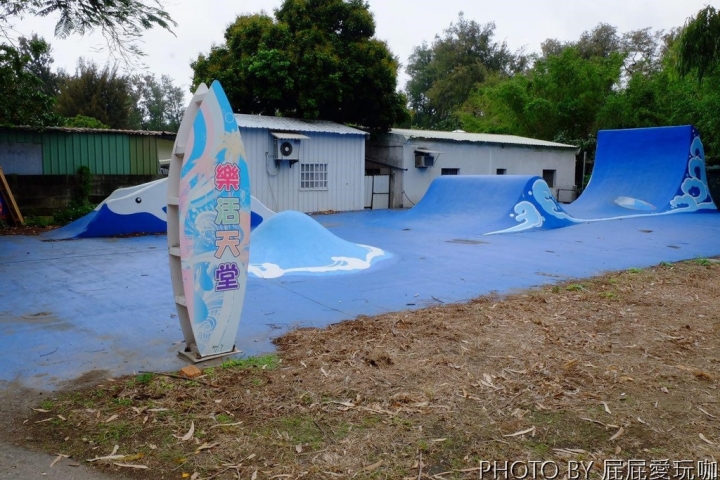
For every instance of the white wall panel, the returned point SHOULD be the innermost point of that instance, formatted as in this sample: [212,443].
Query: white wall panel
[483,159]
[279,189]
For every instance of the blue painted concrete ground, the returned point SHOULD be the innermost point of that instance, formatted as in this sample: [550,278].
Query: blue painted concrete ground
[74,306]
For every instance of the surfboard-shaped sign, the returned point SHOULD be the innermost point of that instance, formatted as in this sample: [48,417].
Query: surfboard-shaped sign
[208,225]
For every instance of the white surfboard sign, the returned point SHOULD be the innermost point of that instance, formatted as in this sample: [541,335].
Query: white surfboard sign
[208,224]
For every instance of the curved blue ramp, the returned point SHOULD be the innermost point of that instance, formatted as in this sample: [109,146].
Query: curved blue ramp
[292,243]
[645,171]
[73,229]
[489,204]
[131,210]
[135,210]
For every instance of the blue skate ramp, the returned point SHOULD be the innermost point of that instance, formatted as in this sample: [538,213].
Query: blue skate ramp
[485,204]
[292,243]
[645,171]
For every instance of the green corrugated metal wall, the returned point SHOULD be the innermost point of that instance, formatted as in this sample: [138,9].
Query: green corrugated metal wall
[104,153]
[143,155]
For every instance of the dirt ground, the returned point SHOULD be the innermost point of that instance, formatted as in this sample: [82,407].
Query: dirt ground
[25,230]
[617,374]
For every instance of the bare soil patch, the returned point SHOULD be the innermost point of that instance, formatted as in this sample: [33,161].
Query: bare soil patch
[620,367]
[25,230]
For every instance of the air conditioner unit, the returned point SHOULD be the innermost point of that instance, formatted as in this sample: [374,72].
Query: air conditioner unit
[424,161]
[287,149]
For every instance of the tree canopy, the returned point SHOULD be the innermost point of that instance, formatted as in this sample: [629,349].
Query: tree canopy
[121,22]
[100,93]
[117,100]
[561,95]
[314,59]
[24,101]
[443,74]
[30,88]
[569,90]
[159,103]
[698,47]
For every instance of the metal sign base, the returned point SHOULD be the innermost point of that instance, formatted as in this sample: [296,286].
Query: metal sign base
[193,356]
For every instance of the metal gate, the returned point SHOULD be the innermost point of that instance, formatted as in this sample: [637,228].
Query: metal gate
[377,191]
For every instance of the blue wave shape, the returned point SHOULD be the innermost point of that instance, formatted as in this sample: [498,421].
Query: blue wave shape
[537,209]
[292,243]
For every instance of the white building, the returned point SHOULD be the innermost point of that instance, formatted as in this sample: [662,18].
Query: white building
[305,165]
[406,161]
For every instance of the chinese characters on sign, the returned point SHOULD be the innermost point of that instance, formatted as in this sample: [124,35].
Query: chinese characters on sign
[663,469]
[227,179]
[610,469]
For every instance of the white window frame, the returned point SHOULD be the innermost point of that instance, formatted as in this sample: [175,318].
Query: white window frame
[313,176]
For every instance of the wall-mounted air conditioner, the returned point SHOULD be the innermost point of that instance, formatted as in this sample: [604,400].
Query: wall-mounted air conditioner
[424,161]
[287,149]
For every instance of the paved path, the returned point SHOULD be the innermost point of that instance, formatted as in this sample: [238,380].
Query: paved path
[18,463]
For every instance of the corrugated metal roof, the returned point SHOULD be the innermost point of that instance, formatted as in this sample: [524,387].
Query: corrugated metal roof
[92,130]
[294,124]
[478,138]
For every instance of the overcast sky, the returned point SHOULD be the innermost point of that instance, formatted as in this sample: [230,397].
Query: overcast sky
[403,24]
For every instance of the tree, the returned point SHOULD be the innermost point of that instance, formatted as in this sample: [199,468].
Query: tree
[23,100]
[81,121]
[160,104]
[102,94]
[39,54]
[314,59]
[443,74]
[121,22]
[698,47]
[561,97]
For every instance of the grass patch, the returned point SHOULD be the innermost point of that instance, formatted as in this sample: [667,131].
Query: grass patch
[265,362]
[144,378]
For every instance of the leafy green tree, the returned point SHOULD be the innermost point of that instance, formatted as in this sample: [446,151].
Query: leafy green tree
[40,60]
[81,121]
[103,94]
[698,47]
[24,101]
[160,103]
[314,59]
[121,22]
[443,74]
[561,96]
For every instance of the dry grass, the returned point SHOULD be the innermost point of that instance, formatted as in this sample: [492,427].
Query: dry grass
[624,366]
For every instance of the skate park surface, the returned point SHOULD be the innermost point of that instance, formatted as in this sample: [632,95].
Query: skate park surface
[105,304]
[76,306]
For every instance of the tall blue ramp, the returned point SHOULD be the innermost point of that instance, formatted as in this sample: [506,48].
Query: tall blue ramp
[645,171]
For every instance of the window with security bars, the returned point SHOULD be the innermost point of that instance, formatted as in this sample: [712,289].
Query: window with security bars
[313,176]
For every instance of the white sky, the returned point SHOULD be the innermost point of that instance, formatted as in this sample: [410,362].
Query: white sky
[403,24]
